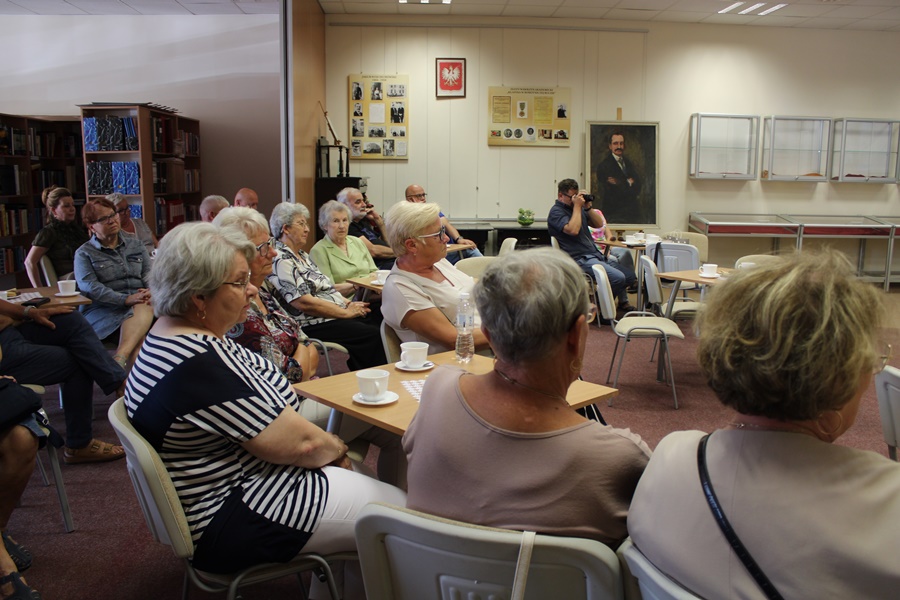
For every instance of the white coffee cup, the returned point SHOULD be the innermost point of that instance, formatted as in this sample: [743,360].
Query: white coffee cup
[630,239]
[709,269]
[372,384]
[652,238]
[639,236]
[66,286]
[414,354]
[747,265]
[381,277]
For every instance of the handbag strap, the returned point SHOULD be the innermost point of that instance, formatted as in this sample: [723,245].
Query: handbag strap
[727,530]
[522,565]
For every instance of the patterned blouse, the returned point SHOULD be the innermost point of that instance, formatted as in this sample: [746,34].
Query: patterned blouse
[295,275]
[274,336]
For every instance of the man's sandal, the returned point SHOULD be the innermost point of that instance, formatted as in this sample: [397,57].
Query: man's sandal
[21,591]
[17,552]
[95,451]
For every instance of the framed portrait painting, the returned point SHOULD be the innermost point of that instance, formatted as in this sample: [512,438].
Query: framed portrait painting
[450,77]
[621,171]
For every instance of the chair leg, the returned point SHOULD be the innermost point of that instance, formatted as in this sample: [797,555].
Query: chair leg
[43,471]
[612,360]
[892,452]
[671,374]
[53,452]
[621,359]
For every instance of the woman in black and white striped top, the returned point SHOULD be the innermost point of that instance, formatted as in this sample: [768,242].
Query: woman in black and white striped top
[257,481]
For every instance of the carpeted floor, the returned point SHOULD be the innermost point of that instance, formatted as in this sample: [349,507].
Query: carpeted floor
[111,556]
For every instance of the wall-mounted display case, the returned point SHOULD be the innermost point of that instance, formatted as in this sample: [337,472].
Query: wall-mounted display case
[865,151]
[795,148]
[723,146]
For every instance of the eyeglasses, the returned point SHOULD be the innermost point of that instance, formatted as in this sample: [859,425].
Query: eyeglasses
[123,210]
[241,284]
[106,219]
[264,248]
[440,234]
[421,196]
[884,358]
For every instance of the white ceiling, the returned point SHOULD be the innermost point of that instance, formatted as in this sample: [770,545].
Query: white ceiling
[873,15]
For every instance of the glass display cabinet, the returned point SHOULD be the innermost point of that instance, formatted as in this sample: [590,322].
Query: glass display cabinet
[795,148]
[865,151]
[723,146]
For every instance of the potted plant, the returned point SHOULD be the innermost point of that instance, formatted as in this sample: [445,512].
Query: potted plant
[526,217]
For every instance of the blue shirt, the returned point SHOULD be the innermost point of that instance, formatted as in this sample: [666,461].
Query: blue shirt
[576,246]
[108,276]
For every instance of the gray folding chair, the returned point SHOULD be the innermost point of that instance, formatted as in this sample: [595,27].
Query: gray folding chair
[653,583]
[887,388]
[409,555]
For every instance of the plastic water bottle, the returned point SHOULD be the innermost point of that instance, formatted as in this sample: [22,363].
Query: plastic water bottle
[465,326]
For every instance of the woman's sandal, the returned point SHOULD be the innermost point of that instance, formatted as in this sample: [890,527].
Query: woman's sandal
[17,552]
[21,591]
[95,451]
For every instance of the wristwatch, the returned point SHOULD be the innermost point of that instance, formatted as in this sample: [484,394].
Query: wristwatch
[26,311]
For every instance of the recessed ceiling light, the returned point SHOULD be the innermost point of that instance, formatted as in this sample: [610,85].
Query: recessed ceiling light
[730,8]
[752,8]
[771,10]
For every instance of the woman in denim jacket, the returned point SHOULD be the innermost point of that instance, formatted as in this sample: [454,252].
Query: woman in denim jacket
[111,270]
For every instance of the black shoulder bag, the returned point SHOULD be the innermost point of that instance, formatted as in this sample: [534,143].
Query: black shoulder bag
[736,544]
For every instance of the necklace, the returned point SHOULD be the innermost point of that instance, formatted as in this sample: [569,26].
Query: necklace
[509,379]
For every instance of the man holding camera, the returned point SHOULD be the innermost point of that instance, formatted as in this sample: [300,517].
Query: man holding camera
[568,222]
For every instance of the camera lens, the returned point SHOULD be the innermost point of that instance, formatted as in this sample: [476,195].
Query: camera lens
[588,198]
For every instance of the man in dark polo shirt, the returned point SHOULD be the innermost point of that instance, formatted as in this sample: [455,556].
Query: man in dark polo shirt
[367,225]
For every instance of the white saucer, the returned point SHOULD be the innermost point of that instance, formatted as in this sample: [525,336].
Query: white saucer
[713,276]
[400,366]
[61,295]
[389,398]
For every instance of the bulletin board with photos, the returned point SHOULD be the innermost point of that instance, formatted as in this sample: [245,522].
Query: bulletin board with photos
[529,116]
[379,116]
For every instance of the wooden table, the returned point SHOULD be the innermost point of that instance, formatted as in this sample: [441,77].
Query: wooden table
[337,392]
[690,276]
[50,292]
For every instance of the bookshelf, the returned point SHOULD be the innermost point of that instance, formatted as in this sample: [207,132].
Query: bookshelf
[35,152]
[151,154]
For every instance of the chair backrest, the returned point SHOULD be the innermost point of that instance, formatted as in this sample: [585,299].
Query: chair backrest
[391,342]
[48,273]
[699,240]
[606,302]
[756,259]
[508,245]
[474,266]
[651,281]
[887,388]
[554,242]
[154,488]
[408,555]
[675,256]
[654,584]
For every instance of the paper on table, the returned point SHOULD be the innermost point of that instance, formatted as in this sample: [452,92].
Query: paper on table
[22,297]
[414,387]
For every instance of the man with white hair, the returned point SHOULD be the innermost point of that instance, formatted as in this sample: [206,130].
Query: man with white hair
[211,206]
[368,226]
[416,193]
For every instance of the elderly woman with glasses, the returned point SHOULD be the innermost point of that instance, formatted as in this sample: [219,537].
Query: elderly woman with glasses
[549,469]
[111,270]
[422,292]
[133,226]
[308,295]
[258,482]
[58,239]
[338,255]
[791,348]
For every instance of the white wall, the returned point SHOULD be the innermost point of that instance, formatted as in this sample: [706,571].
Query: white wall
[221,70]
[663,75]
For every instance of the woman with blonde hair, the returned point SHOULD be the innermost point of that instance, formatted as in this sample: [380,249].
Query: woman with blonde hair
[791,347]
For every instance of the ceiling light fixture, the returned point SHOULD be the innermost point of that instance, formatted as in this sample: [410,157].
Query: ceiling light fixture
[771,10]
[752,8]
[730,8]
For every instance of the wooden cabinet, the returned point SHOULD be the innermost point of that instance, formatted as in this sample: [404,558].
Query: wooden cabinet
[723,146]
[35,152]
[865,151]
[148,153]
[795,148]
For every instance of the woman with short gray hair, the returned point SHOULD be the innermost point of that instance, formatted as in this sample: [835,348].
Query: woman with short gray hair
[309,296]
[535,313]
[257,481]
[338,255]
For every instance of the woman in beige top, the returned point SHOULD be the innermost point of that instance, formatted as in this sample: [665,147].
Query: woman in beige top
[505,449]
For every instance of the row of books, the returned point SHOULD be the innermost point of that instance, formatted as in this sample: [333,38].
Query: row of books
[12,260]
[14,180]
[52,144]
[190,143]
[70,177]
[160,130]
[108,177]
[18,221]
[169,213]
[13,141]
[110,133]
